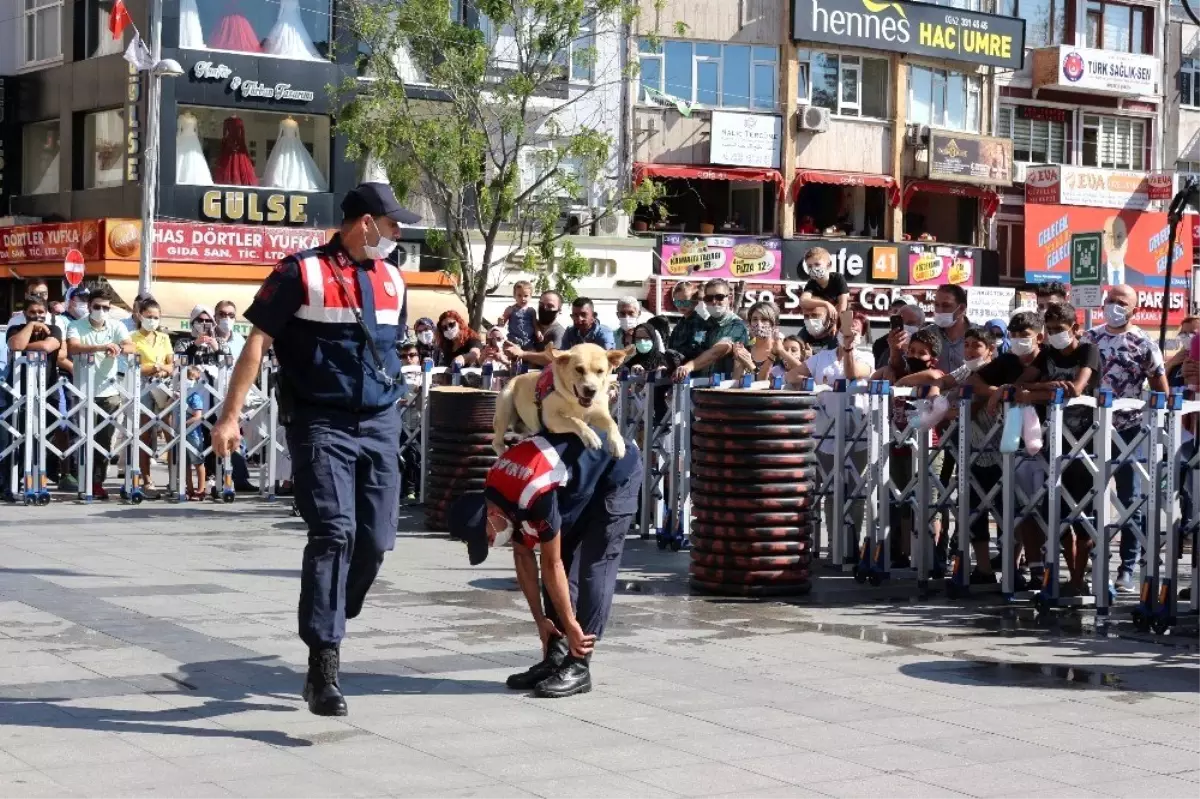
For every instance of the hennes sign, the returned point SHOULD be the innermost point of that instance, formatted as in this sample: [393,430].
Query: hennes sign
[916,28]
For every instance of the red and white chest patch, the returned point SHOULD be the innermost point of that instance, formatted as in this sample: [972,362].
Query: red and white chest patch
[330,299]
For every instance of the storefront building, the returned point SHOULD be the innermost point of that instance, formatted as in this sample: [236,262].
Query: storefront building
[250,164]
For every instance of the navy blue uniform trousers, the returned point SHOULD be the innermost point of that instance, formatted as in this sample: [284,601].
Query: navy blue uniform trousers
[346,475]
[591,554]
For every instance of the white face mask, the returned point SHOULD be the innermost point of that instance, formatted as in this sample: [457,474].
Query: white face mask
[149,325]
[627,322]
[225,325]
[815,327]
[79,309]
[504,535]
[450,333]
[425,337]
[1185,340]
[1021,347]
[702,310]
[910,329]
[760,329]
[819,273]
[975,364]
[1060,341]
[1115,315]
[383,249]
[98,316]
[944,320]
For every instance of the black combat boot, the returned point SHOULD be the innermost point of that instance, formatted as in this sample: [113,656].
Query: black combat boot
[574,676]
[321,689]
[556,653]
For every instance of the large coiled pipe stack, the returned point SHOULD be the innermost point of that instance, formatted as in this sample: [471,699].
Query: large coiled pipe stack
[753,484]
[459,448]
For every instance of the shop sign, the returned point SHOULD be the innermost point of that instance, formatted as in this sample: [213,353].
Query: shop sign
[706,257]
[210,244]
[1095,188]
[50,242]
[251,89]
[939,264]
[919,29]
[1038,113]
[1100,71]
[250,206]
[745,139]
[133,126]
[967,158]
[1133,245]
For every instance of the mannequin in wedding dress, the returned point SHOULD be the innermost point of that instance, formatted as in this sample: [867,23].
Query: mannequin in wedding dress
[290,167]
[289,38]
[191,34]
[191,167]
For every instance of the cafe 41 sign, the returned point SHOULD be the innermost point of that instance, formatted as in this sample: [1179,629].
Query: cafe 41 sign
[920,29]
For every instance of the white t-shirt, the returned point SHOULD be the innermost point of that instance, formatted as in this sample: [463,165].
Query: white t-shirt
[826,368]
[104,373]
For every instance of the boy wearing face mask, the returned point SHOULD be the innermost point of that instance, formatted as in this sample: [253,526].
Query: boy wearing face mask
[425,338]
[825,287]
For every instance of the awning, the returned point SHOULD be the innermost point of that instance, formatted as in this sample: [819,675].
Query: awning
[643,171]
[989,200]
[846,179]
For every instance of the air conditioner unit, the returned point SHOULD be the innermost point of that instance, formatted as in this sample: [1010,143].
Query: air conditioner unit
[812,119]
[916,135]
[578,220]
[1019,171]
[615,225]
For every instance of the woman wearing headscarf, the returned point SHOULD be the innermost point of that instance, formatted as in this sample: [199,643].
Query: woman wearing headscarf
[650,354]
[999,329]
[425,332]
[456,342]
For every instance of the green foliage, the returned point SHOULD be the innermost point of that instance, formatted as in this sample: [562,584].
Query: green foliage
[489,112]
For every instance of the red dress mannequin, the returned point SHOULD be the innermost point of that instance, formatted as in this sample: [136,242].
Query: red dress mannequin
[235,33]
[234,167]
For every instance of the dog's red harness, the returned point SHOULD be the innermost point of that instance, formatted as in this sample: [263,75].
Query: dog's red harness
[545,386]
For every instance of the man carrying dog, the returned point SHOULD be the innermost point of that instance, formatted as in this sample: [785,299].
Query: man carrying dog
[577,504]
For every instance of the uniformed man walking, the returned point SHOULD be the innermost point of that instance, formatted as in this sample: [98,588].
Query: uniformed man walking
[577,504]
[334,314]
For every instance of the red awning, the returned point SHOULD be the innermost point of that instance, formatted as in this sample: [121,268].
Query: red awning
[846,179]
[989,199]
[643,171]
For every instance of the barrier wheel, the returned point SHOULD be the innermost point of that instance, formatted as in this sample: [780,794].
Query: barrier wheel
[860,577]
[43,498]
[228,497]
[28,500]
[662,543]
[674,544]
[876,579]
[1140,622]
[1161,625]
[123,494]
[137,497]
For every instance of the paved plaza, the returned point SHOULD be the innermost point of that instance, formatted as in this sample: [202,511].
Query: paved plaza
[151,651]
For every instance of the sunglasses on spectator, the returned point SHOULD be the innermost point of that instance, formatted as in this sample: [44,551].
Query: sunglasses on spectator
[227,315]
[101,307]
[715,297]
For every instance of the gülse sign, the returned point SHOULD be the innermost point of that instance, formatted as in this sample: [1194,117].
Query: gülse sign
[249,206]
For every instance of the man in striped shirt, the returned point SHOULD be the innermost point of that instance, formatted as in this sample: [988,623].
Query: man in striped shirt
[576,504]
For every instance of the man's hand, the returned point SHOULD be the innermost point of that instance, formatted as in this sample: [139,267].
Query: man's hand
[460,361]
[112,350]
[512,350]
[742,355]
[683,371]
[581,644]
[849,342]
[547,631]
[994,401]
[38,328]
[898,341]
[226,437]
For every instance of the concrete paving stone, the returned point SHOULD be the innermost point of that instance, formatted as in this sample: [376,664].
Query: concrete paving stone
[1083,770]
[32,784]
[707,779]
[820,736]
[1190,776]
[199,790]
[893,786]
[991,780]
[1167,760]
[834,709]
[1150,730]
[99,749]
[118,777]
[909,728]
[317,786]
[729,746]
[1069,738]
[636,755]
[808,767]
[1148,786]
[9,764]
[584,787]
[903,757]
[752,719]
[984,748]
[249,764]
[521,768]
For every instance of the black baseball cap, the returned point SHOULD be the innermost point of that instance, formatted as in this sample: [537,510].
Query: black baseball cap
[467,520]
[376,199]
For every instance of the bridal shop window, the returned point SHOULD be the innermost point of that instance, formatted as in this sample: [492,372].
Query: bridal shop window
[216,147]
[40,148]
[42,20]
[97,40]
[297,29]
[104,149]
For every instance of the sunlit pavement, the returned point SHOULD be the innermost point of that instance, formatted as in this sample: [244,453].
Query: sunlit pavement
[151,650]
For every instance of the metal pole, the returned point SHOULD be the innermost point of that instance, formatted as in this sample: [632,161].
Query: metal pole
[150,190]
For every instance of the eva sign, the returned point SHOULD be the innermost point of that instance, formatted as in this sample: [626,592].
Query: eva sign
[73,267]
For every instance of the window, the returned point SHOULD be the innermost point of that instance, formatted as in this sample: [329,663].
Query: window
[569,183]
[40,143]
[43,30]
[583,56]
[97,40]
[943,99]
[1116,27]
[1114,142]
[710,74]
[297,29]
[1035,141]
[216,146]
[104,149]
[847,85]
[1189,82]
[1045,20]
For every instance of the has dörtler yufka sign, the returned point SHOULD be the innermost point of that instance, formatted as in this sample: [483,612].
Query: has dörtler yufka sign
[917,28]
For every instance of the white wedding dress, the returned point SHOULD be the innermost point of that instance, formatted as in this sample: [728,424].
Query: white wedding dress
[49,182]
[191,167]
[191,34]
[289,38]
[290,167]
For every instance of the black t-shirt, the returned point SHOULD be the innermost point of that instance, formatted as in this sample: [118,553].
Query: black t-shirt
[1054,365]
[836,287]
[1002,371]
[880,350]
[51,357]
[449,355]
[824,343]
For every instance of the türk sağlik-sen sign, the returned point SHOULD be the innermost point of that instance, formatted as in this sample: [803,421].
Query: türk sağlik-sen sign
[917,28]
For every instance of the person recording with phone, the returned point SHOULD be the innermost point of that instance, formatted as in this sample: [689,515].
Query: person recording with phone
[334,315]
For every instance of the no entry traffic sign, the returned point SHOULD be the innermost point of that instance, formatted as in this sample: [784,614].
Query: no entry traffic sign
[73,267]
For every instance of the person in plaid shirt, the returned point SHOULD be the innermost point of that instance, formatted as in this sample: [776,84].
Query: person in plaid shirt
[1129,360]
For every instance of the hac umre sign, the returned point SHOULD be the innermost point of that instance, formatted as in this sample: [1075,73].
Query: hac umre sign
[916,28]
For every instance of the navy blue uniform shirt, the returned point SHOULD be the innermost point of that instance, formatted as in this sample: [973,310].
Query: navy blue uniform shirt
[324,360]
